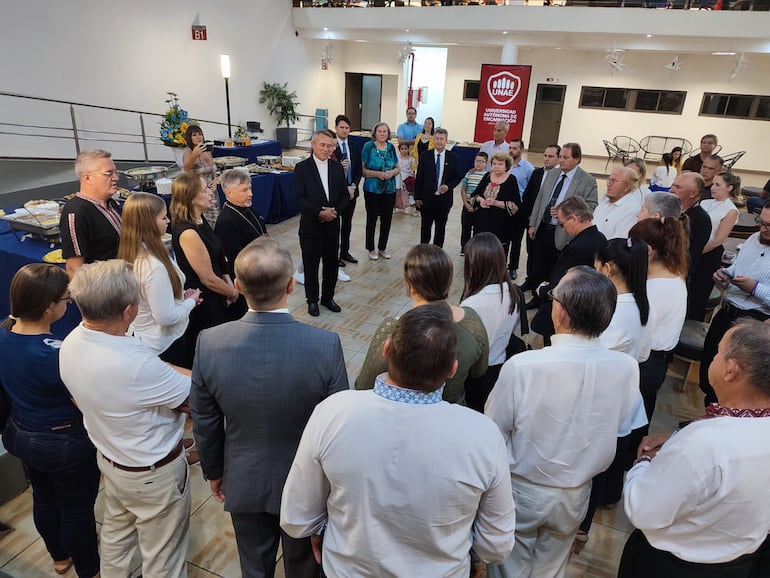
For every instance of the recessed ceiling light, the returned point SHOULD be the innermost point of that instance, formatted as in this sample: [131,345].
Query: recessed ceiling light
[558,48]
[360,41]
[723,53]
[505,32]
[325,29]
[648,35]
[406,30]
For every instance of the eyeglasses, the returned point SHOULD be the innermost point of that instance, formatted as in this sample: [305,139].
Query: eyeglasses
[551,296]
[66,299]
[108,174]
[761,223]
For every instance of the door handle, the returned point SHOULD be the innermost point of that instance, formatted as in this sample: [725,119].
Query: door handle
[360,106]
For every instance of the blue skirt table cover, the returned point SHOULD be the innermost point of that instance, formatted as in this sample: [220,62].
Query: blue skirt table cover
[251,152]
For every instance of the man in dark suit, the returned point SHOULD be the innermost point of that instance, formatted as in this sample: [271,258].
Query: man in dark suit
[322,196]
[547,238]
[255,383]
[576,218]
[351,162]
[437,176]
[528,198]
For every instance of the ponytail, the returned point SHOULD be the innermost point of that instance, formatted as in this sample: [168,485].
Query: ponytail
[629,257]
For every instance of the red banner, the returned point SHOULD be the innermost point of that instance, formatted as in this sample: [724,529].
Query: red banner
[502,96]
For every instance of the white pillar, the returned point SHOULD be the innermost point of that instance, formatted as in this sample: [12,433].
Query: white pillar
[510,52]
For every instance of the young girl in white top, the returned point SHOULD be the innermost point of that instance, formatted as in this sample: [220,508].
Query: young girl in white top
[664,174]
[164,308]
[407,166]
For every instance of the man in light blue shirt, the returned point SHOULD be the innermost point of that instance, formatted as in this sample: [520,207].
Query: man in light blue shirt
[408,131]
[522,169]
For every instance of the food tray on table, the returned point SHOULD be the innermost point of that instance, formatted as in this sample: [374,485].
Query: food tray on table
[229,162]
[44,223]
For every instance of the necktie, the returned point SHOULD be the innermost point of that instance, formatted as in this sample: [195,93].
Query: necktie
[438,171]
[350,168]
[554,198]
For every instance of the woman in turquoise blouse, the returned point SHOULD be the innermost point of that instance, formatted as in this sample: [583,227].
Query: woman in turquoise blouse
[380,167]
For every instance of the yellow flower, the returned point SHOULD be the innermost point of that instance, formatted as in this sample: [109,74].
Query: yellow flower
[183,128]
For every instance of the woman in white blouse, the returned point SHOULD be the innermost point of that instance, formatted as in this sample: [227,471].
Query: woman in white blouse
[164,308]
[490,292]
[664,174]
[625,263]
[723,214]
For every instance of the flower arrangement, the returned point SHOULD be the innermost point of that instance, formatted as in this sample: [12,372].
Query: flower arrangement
[240,132]
[175,123]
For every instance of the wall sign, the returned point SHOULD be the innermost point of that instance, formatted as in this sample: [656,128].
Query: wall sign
[502,96]
[198,32]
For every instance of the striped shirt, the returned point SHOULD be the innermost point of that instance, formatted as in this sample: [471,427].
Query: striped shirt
[753,261]
[471,180]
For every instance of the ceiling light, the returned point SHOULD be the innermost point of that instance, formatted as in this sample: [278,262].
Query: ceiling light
[723,53]
[325,29]
[360,41]
[406,30]
[505,32]
[648,35]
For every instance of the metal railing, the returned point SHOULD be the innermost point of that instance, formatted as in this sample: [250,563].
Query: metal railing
[72,132]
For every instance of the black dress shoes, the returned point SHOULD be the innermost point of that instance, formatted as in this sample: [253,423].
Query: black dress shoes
[349,258]
[340,263]
[330,305]
[312,309]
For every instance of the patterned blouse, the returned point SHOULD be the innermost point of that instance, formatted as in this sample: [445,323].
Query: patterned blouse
[376,160]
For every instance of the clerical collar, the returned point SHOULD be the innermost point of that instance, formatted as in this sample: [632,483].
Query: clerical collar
[716,410]
[403,395]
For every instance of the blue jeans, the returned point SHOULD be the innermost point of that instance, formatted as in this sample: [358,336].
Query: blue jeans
[62,469]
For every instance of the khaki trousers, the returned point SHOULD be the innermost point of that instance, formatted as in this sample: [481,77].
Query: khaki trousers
[151,508]
[547,520]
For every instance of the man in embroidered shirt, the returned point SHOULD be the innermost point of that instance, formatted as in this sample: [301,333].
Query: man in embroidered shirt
[429,489]
[713,514]
[616,213]
[90,221]
[562,409]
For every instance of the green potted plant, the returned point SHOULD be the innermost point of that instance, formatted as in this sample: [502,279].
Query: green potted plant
[282,106]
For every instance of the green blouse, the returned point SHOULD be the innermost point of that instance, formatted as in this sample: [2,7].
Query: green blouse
[472,355]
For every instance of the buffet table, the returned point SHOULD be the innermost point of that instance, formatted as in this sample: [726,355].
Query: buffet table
[251,152]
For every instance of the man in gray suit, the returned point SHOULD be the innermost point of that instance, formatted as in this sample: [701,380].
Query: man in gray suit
[548,239]
[255,383]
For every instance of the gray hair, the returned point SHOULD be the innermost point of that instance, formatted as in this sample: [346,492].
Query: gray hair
[576,206]
[323,131]
[85,158]
[441,131]
[748,345]
[664,204]
[503,123]
[263,269]
[102,290]
[231,178]
[589,299]
[630,177]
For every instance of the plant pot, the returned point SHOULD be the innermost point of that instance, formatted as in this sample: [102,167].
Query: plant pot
[287,137]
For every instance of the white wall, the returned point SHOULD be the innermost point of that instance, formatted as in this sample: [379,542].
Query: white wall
[430,64]
[129,54]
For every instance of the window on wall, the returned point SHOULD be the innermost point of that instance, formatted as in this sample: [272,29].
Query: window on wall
[633,99]
[736,106]
[471,90]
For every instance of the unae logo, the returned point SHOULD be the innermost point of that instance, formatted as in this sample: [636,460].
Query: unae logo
[503,87]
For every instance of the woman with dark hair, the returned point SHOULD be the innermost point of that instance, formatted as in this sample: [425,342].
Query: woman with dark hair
[424,141]
[197,158]
[202,260]
[164,307]
[490,292]
[667,294]
[428,275]
[380,168]
[723,215]
[664,174]
[676,159]
[625,263]
[497,199]
[45,429]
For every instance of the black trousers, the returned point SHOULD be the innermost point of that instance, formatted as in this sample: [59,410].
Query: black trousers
[466,227]
[720,323]
[477,390]
[346,225]
[317,250]
[378,207]
[437,214]
[518,231]
[257,538]
[544,253]
[641,560]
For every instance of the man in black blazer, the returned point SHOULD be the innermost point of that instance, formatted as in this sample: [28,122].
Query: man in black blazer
[434,186]
[575,216]
[351,162]
[322,195]
[255,383]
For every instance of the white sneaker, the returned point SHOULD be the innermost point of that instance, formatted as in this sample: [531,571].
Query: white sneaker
[299,277]
[341,275]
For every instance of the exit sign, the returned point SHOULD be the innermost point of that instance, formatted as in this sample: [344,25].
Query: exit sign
[199,33]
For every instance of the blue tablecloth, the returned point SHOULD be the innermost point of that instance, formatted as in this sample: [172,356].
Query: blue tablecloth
[251,152]
[273,196]
[14,254]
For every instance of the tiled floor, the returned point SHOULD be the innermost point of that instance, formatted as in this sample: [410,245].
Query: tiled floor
[376,290]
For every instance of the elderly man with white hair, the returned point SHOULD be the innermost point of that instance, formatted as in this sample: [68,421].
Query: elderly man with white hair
[616,213]
[132,404]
